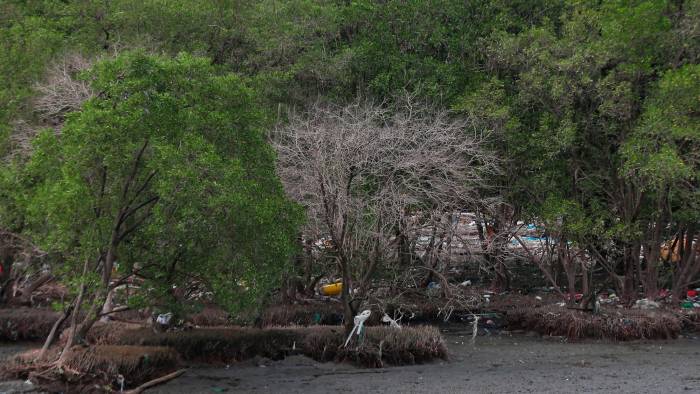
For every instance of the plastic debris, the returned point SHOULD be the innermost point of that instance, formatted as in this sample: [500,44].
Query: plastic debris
[164,318]
[359,324]
[466,283]
[392,323]
[332,289]
[645,303]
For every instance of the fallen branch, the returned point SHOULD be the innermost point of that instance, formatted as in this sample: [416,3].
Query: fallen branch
[156,382]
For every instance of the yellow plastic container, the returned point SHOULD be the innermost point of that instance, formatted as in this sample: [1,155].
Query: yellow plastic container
[333,289]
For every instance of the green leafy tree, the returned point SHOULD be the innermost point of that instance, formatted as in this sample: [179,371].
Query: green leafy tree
[663,157]
[165,175]
[565,98]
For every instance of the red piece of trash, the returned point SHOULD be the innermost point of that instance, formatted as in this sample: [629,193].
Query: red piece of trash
[691,293]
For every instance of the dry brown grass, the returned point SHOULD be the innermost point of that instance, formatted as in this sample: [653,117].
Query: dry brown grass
[321,313]
[512,301]
[109,333]
[95,368]
[137,364]
[212,345]
[690,319]
[612,324]
[210,316]
[26,323]
[380,346]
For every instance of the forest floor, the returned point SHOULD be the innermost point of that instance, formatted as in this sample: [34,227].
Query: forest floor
[495,364]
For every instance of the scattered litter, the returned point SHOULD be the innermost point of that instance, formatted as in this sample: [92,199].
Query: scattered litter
[538,298]
[392,323]
[466,283]
[164,318]
[332,289]
[645,303]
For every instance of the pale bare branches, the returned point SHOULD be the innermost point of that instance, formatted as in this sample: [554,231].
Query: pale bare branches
[361,169]
[62,91]
[59,93]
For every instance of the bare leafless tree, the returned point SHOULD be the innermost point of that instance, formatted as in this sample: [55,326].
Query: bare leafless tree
[361,169]
[62,91]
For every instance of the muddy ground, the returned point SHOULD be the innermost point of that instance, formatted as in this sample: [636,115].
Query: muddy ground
[495,364]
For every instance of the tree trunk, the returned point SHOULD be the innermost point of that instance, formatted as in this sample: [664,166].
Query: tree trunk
[630,262]
[6,281]
[54,330]
[348,312]
[108,306]
[27,291]
[70,340]
[689,265]
[651,256]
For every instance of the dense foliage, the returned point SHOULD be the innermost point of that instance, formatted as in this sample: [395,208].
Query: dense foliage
[591,106]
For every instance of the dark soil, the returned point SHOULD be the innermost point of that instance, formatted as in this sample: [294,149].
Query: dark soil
[495,364]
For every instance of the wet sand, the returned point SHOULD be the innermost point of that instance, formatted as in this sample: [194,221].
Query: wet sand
[495,364]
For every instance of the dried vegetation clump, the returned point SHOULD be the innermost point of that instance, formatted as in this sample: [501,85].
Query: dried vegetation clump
[210,316]
[137,364]
[210,345]
[92,369]
[20,324]
[611,324]
[380,345]
[323,313]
